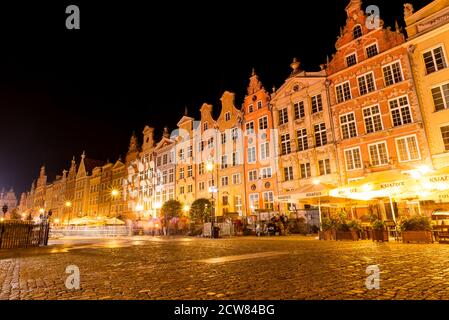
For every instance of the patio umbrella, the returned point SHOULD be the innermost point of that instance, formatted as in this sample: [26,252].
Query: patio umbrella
[114,221]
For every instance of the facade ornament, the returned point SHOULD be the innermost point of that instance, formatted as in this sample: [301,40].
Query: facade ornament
[408,10]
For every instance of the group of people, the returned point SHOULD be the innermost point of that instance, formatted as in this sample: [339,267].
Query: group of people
[278,224]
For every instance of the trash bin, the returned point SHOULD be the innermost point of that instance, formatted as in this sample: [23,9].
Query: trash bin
[216,232]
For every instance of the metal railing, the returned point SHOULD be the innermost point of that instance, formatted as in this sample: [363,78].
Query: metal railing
[23,234]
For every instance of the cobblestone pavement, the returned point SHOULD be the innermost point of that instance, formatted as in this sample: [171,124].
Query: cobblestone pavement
[237,268]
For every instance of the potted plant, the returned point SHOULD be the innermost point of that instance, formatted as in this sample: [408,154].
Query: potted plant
[355,227]
[379,231]
[416,229]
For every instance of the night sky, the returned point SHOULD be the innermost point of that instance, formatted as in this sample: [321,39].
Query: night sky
[64,91]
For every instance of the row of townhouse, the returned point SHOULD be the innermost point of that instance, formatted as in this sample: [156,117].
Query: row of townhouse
[377,109]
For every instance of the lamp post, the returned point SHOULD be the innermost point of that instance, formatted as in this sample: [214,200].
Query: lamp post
[158,206]
[114,195]
[210,168]
[318,182]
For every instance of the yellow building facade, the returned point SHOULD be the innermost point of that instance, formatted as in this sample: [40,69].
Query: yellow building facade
[428,44]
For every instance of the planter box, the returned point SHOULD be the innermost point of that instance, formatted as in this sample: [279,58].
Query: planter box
[326,235]
[380,235]
[417,236]
[346,235]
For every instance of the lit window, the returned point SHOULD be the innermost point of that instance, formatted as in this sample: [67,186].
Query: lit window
[353,159]
[254,201]
[408,149]
[434,60]
[268,200]
[378,154]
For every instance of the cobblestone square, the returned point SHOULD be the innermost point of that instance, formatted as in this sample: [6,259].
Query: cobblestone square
[237,268]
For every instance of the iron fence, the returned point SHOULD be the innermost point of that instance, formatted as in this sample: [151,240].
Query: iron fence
[23,234]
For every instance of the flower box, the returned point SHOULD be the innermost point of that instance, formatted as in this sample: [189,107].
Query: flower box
[347,235]
[417,236]
[380,235]
[326,235]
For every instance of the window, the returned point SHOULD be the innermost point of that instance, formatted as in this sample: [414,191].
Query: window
[299,110]
[227,116]
[189,152]
[305,171]
[181,173]
[353,159]
[190,188]
[224,162]
[317,103]
[285,144]
[357,32]
[225,200]
[343,92]
[201,146]
[303,143]
[251,154]
[250,128]
[268,200]
[235,159]
[235,134]
[263,123]
[351,60]
[348,126]
[266,173]
[201,168]
[408,148]
[320,135]
[400,111]
[288,173]
[164,177]
[252,175]
[224,181]
[181,154]
[434,60]
[372,51]
[372,119]
[201,186]
[250,108]
[259,105]
[392,73]
[181,190]
[254,201]
[164,159]
[366,83]
[283,116]
[223,137]
[210,143]
[158,161]
[440,96]
[205,126]
[324,167]
[264,151]
[171,175]
[189,171]
[238,203]
[445,136]
[378,154]
[236,179]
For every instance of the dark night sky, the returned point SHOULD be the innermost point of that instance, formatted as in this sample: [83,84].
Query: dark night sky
[64,91]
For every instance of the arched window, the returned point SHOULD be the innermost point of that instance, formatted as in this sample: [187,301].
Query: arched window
[357,32]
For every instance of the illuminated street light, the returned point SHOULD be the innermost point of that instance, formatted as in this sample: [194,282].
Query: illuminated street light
[209,167]
[68,204]
[186,208]
[114,193]
[316,182]
[41,210]
[157,205]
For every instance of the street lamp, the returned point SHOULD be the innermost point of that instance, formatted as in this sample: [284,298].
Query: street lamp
[210,168]
[114,195]
[186,209]
[157,207]
[68,205]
